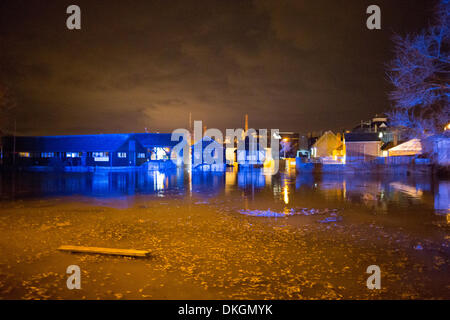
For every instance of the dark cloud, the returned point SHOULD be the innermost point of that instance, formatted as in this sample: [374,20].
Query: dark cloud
[293,65]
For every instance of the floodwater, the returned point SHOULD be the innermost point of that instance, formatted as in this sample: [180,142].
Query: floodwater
[232,235]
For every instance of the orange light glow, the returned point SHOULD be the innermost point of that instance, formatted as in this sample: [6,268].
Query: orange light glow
[286,195]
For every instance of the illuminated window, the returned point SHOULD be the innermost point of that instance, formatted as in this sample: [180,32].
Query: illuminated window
[24,154]
[100,156]
[121,154]
[141,155]
[159,154]
[73,154]
[47,155]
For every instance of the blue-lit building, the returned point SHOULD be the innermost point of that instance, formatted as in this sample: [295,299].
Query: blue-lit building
[208,155]
[253,154]
[86,151]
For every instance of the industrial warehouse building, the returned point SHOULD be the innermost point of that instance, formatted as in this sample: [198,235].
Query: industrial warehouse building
[87,151]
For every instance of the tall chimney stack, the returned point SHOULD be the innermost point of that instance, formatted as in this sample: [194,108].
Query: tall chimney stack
[190,122]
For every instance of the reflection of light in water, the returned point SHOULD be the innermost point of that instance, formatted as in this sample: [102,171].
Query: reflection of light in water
[250,178]
[268,178]
[411,191]
[190,182]
[100,182]
[158,180]
[286,195]
[344,189]
[369,197]
[286,190]
[441,199]
[230,180]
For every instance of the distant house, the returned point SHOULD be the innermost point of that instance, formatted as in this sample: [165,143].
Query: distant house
[208,155]
[256,150]
[253,153]
[159,146]
[437,146]
[326,145]
[363,146]
[379,124]
[100,150]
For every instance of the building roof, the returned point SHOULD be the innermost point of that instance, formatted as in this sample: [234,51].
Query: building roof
[410,147]
[206,141]
[156,139]
[361,137]
[388,145]
[86,143]
[72,143]
[326,135]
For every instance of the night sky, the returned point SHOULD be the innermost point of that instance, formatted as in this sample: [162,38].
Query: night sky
[299,65]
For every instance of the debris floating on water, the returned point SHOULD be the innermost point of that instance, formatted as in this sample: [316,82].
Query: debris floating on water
[313,211]
[107,251]
[263,213]
[331,219]
[293,211]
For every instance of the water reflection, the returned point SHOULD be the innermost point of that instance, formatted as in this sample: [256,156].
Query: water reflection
[286,188]
[441,201]
[251,178]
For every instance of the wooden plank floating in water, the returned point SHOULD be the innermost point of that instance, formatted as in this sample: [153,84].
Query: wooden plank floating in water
[109,251]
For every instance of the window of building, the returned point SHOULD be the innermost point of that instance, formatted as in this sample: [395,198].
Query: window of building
[160,153]
[24,154]
[100,156]
[47,155]
[121,154]
[141,155]
[73,154]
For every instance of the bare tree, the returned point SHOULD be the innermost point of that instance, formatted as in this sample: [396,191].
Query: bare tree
[286,147]
[420,73]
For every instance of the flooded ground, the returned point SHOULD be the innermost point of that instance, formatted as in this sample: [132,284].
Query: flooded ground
[236,235]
